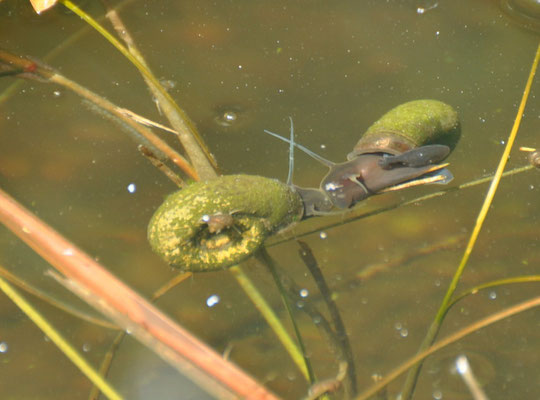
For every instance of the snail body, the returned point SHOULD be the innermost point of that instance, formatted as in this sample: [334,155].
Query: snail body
[214,224]
[401,146]
[419,157]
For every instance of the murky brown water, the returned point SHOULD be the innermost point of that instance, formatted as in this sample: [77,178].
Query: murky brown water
[335,68]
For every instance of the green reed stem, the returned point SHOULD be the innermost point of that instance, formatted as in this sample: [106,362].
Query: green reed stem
[265,258]
[271,318]
[65,307]
[474,327]
[354,216]
[433,330]
[204,167]
[198,152]
[313,266]
[74,356]
[499,282]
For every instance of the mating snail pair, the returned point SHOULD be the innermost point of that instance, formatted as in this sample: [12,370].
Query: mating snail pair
[401,149]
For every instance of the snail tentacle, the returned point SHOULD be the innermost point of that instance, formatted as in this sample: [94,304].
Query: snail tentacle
[312,154]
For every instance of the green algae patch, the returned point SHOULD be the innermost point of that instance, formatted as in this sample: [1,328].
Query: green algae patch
[214,224]
[410,125]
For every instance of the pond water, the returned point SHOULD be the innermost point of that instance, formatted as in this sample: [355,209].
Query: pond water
[240,67]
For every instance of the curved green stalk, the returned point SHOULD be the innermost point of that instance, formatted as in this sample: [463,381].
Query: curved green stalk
[199,154]
[474,327]
[433,330]
[74,356]
[271,318]
[487,285]
[265,258]
[352,216]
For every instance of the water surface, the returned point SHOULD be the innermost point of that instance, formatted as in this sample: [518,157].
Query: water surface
[240,67]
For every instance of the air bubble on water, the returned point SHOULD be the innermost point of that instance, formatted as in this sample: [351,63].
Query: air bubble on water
[323,235]
[531,187]
[212,300]
[304,293]
[323,146]
[57,93]
[131,188]
[398,326]
[300,304]
[437,395]
[492,295]
[230,116]
[3,347]
[404,333]
[86,347]
[437,282]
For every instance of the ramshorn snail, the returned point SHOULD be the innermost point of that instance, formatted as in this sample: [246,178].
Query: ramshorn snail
[214,224]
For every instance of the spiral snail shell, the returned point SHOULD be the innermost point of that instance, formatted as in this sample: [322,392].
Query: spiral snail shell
[408,126]
[214,224]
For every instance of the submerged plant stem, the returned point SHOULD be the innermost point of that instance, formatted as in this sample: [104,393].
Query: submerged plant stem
[41,72]
[392,375]
[187,133]
[127,308]
[500,282]
[435,326]
[358,216]
[74,356]
[107,360]
[66,307]
[309,260]
[265,258]
[271,318]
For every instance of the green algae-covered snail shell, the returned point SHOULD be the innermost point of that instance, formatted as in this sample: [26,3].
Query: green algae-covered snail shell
[411,125]
[179,231]
[534,158]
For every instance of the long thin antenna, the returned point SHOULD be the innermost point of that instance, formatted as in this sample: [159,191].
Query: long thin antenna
[317,157]
[291,155]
